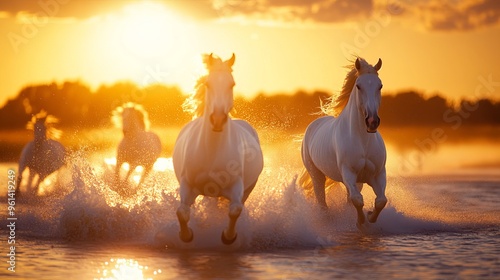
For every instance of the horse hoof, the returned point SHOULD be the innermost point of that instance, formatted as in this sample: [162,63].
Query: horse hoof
[360,227]
[228,241]
[189,239]
[370,218]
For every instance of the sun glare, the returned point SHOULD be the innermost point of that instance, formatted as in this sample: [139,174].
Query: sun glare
[125,269]
[148,29]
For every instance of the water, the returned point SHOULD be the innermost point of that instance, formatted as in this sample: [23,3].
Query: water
[434,227]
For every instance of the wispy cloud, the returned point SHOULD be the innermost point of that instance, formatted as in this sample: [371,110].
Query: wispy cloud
[459,15]
[329,11]
[431,14]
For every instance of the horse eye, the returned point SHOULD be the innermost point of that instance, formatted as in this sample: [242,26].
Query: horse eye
[358,87]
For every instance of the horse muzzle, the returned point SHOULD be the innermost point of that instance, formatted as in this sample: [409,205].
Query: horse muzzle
[372,123]
[218,120]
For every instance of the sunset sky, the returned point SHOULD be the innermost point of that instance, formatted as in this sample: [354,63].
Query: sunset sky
[449,47]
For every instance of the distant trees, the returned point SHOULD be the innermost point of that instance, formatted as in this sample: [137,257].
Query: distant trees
[76,105]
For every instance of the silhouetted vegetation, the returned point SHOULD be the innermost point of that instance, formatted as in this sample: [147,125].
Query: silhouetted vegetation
[78,107]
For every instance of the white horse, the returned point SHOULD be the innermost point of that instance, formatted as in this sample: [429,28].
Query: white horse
[43,155]
[348,148]
[215,155]
[139,147]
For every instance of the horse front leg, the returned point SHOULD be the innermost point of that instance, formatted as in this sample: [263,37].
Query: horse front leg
[183,212]
[349,180]
[235,196]
[147,170]
[117,171]
[19,179]
[39,180]
[378,186]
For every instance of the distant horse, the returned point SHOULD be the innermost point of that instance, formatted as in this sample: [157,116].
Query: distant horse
[139,147]
[43,155]
[215,155]
[348,148]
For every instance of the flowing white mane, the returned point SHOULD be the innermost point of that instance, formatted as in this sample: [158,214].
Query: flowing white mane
[195,103]
[337,103]
[118,115]
[49,122]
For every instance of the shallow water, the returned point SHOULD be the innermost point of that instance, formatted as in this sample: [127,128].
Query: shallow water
[434,227]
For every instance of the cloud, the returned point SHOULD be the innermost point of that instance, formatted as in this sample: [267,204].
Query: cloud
[432,14]
[458,15]
[83,9]
[328,11]
[61,8]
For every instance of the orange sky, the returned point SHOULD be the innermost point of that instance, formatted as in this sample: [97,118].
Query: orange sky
[449,47]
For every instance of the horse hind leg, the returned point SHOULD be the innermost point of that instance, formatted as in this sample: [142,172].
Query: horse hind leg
[247,192]
[318,179]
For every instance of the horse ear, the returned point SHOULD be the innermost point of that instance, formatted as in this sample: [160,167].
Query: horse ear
[378,65]
[358,66]
[210,59]
[230,61]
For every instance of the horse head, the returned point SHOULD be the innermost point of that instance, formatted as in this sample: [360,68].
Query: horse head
[40,130]
[131,118]
[219,91]
[368,87]
[42,125]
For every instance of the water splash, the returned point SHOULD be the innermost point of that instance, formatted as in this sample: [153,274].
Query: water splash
[83,206]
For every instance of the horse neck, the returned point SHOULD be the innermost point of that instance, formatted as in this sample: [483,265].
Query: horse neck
[353,117]
[39,139]
[134,129]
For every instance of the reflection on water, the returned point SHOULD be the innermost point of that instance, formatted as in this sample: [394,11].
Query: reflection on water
[125,269]
[439,226]
[469,150]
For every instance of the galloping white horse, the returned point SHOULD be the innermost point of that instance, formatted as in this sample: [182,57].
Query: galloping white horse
[139,147]
[43,155]
[215,155]
[348,148]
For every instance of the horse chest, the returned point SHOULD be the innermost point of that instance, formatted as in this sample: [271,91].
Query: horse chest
[47,157]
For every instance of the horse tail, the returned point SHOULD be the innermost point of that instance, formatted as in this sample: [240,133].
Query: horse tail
[305,181]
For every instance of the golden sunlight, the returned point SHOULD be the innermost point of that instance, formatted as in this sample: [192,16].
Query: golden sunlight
[125,269]
[147,29]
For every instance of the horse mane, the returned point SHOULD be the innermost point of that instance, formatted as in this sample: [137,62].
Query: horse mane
[195,103]
[336,103]
[49,121]
[117,115]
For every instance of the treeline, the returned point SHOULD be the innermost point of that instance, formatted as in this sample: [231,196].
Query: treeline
[76,105]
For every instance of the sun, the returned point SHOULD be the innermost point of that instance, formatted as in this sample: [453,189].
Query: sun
[148,29]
